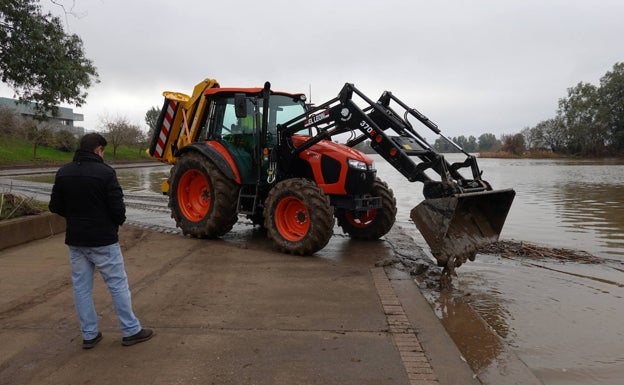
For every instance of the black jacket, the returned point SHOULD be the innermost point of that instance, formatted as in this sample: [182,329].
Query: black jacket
[87,193]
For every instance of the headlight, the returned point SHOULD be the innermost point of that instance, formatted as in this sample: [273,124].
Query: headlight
[356,164]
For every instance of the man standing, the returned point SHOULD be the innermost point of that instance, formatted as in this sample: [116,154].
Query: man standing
[87,194]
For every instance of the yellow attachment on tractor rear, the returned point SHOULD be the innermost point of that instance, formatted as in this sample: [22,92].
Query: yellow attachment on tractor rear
[177,96]
[177,123]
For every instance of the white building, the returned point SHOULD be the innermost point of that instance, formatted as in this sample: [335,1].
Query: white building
[65,120]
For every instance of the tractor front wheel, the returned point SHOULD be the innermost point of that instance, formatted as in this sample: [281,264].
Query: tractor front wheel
[298,217]
[374,223]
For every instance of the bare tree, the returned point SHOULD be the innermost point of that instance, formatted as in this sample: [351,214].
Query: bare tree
[119,131]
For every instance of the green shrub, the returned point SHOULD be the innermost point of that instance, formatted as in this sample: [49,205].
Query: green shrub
[65,141]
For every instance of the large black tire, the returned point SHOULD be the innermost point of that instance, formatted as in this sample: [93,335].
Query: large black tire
[372,224]
[298,217]
[202,200]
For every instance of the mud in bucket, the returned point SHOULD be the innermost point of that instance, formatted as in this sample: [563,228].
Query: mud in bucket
[456,227]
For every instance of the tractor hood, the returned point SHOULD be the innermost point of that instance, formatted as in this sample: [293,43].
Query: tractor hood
[333,149]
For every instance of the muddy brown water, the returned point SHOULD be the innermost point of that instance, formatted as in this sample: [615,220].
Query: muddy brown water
[563,319]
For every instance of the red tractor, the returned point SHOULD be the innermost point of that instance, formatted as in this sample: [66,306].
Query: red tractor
[269,156]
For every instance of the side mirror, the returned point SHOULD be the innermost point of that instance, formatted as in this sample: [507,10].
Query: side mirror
[240,105]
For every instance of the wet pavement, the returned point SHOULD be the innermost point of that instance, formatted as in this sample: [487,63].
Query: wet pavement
[228,311]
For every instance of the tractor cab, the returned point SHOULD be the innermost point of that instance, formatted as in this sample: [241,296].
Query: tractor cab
[236,121]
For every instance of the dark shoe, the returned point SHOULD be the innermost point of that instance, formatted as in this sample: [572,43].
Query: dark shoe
[90,344]
[142,336]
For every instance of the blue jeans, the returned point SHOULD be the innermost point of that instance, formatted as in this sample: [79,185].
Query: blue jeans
[110,264]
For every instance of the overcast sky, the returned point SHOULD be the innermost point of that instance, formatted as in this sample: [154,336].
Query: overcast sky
[470,66]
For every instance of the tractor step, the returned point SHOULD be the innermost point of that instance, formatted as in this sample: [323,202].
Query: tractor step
[248,199]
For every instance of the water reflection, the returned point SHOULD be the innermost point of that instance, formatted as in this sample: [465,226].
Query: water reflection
[595,209]
[143,179]
[479,346]
[568,205]
[558,318]
[140,178]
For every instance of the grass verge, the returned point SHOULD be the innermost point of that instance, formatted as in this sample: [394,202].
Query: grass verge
[17,152]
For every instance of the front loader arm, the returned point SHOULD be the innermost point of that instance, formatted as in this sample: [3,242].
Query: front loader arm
[390,136]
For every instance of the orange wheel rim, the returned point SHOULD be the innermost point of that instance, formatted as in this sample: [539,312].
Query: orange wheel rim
[363,220]
[292,219]
[194,197]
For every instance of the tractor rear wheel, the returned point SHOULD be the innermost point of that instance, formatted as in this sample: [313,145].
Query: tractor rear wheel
[371,224]
[202,200]
[298,217]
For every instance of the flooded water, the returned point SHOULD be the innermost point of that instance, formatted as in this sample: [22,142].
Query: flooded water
[143,179]
[562,203]
[563,320]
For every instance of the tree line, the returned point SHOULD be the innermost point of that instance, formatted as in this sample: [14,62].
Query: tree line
[589,121]
[485,143]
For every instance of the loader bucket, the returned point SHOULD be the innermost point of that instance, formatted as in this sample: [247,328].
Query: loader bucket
[456,227]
